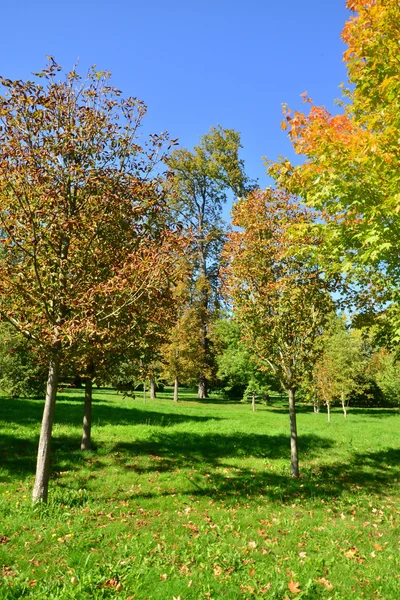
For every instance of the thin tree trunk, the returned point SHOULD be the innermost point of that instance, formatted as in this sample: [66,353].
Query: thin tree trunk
[316,406]
[144,392]
[344,405]
[294,457]
[253,402]
[202,389]
[152,388]
[328,406]
[86,441]
[176,387]
[40,489]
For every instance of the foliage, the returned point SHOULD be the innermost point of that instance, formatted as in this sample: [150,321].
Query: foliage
[340,370]
[385,369]
[237,371]
[351,171]
[202,180]
[21,372]
[87,247]
[281,301]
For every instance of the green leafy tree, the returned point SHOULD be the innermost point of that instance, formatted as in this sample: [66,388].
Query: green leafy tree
[339,372]
[237,371]
[202,180]
[22,372]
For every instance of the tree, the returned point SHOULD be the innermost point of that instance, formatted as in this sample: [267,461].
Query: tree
[180,355]
[237,371]
[81,216]
[339,371]
[202,180]
[351,171]
[280,299]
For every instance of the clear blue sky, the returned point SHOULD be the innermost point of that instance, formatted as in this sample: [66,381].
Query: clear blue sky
[195,63]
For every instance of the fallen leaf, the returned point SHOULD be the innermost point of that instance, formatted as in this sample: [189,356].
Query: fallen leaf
[294,587]
[327,584]
[377,547]
[303,554]
[217,571]
[252,544]
[163,576]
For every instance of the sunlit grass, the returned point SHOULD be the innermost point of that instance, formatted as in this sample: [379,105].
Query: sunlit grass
[196,500]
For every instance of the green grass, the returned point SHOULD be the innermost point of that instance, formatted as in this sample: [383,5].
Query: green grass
[196,500]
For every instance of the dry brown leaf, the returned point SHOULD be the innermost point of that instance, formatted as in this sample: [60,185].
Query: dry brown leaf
[327,584]
[163,576]
[252,544]
[294,587]
[217,571]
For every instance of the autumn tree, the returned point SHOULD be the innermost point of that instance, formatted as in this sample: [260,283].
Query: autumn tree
[81,219]
[203,178]
[351,171]
[280,298]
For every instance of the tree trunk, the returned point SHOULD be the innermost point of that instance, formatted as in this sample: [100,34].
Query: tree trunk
[328,406]
[316,406]
[202,389]
[144,392]
[253,402]
[176,387]
[294,458]
[40,489]
[344,405]
[152,388]
[86,441]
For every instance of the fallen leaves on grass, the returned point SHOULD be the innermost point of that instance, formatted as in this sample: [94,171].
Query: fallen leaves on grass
[113,583]
[252,544]
[163,576]
[353,554]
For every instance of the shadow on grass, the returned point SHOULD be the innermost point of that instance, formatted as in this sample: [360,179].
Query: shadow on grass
[24,412]
[371,474]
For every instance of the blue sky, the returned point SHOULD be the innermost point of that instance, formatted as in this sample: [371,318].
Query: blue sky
[195,64]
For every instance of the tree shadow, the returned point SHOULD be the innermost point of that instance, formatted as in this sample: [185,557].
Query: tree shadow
[26,411]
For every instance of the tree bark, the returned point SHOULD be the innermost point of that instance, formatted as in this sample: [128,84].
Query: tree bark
[253,402]
[294,458]
[40,489]
[176,387]
[202,389]
[152,388]
[344,405]
[328,407]
[86,441]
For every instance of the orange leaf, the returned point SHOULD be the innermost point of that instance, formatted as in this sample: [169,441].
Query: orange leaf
[294,587]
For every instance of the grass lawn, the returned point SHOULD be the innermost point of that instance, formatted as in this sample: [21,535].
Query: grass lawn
[196,500]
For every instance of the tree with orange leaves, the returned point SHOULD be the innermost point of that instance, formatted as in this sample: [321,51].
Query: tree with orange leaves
[86,246]
[280,299]
[352,166]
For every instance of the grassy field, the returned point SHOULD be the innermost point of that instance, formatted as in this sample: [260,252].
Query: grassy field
[195,500]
